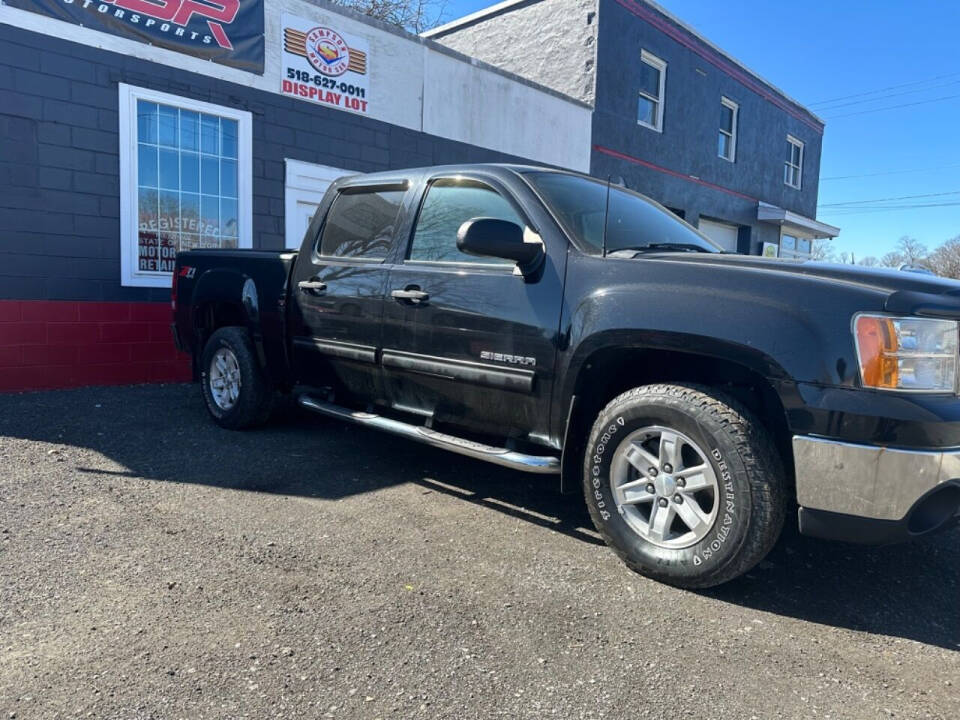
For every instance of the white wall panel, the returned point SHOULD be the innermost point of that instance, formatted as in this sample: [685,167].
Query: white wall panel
[470,103]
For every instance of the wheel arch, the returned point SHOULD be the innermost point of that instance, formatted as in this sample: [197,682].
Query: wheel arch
[223,298]
[610,369]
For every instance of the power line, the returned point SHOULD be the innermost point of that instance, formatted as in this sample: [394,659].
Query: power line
[888,199]
[892,107]
[914,206]
[888,96]
[889,172]
[842,212]
[884,89]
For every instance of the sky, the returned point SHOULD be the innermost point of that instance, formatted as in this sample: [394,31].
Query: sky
[885,53]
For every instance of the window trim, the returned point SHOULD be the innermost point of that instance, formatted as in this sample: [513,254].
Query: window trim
[509,268]
[130,276]
[791,140]
[735,107]
[794,254]
[653,61]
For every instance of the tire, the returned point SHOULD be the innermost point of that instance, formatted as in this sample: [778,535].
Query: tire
[250,402]
[718,521]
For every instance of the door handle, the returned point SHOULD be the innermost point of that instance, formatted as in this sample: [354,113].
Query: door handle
[311,287]
[412,294]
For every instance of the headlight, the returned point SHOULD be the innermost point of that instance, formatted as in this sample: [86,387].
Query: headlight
[917,354]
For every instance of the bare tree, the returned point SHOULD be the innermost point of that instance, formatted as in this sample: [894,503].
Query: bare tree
[945,260]
[893,259]
[913,251]
[412,15]
[822,250]
[869,261]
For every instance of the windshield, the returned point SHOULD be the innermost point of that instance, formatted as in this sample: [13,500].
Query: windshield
[634,221]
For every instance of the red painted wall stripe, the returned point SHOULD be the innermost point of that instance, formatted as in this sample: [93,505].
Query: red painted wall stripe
[667,171]
[717,61]
[62,344]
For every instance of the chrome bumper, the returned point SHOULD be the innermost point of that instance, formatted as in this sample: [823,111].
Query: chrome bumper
[866,480]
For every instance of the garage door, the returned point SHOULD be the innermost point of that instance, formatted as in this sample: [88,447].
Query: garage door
[306,184]
[722,234]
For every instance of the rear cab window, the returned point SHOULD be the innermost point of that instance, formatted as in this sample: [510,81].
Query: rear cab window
[361,224]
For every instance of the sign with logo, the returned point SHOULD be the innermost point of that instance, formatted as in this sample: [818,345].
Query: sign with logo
[229,32]
[770,250]
[324,65]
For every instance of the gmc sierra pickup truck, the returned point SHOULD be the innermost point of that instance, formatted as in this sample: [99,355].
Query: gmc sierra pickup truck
[548,322]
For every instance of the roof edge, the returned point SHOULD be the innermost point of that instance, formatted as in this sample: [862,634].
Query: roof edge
[767,212]
[483,14]
[506,6]
[720,51]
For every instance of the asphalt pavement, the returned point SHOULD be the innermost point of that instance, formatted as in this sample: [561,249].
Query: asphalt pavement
[153,565]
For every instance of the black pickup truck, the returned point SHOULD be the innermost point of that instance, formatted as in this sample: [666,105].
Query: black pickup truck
[548,322]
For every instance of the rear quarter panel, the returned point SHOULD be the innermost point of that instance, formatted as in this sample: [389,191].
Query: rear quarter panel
[212,281]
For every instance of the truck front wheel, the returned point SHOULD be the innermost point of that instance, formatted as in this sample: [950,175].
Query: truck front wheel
[684,484]
[234,389]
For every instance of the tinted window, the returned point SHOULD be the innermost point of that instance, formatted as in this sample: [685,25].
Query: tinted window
[361,224]
[634,221]
[449,204]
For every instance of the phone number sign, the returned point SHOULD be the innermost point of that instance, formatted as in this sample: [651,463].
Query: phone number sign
[324,65]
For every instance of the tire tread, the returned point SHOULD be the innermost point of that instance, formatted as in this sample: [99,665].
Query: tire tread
[255,403]
[759,456]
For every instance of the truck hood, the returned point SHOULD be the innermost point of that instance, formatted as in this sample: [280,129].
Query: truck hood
[909,292]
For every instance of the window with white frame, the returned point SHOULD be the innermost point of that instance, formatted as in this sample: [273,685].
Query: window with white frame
[653,78]
[794,246]
[185,181]
[727,140]
[793,165]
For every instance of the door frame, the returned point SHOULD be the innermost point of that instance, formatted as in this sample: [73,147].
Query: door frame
[299,179]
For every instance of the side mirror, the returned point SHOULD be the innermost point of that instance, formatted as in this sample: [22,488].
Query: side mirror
[489,237]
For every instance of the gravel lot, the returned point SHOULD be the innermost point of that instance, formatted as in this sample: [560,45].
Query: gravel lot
[156,566]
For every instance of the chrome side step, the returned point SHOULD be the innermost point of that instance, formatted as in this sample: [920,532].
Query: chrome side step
[543,464]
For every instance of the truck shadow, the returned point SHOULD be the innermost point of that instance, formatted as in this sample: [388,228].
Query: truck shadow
[162,433]
[910,590]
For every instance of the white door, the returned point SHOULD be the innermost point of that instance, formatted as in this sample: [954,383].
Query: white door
[722,234]
[305,186]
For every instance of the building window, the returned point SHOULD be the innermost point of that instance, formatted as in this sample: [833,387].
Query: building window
[185,181]
[792,246]
[653,78]
[793,166]
[727,140]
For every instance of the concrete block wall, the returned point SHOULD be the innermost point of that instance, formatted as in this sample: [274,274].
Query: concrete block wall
[59,344]
[552,42]
[59,166]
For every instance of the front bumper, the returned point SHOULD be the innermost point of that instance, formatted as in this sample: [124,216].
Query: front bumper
[870,493]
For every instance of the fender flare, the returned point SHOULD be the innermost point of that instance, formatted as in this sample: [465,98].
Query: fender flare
[223,286]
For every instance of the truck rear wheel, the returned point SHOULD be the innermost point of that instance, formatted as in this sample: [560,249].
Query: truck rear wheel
[684,484]
[234,389]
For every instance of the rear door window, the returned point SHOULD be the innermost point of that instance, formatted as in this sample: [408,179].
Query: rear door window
[361,224]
